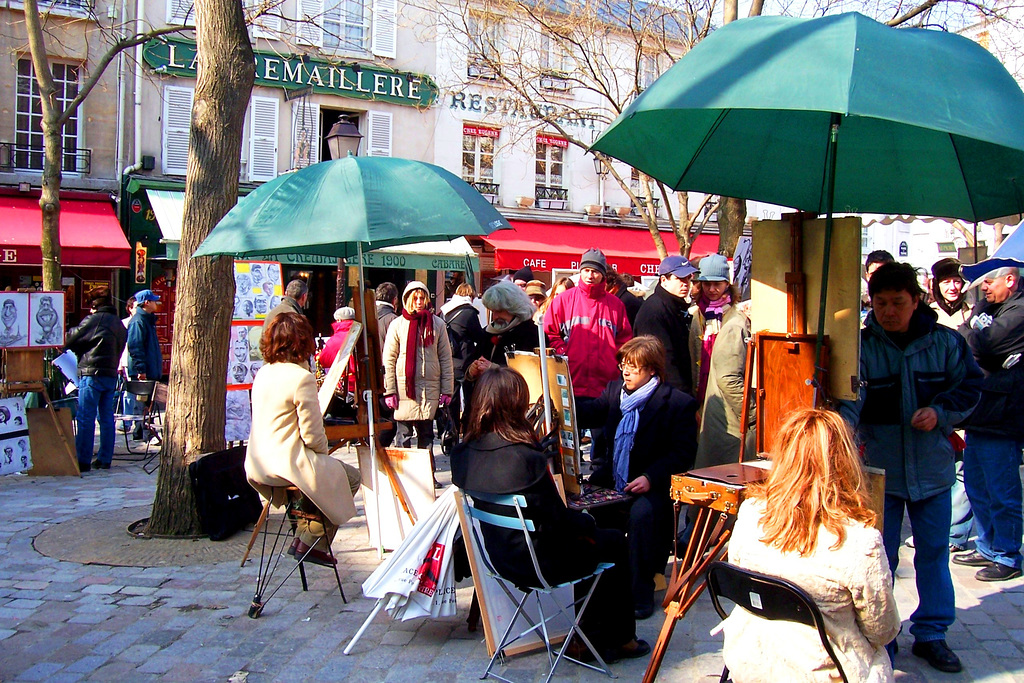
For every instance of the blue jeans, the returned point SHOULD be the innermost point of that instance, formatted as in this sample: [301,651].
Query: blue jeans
[963,518]
[929,522]
[95,399]
[992,479]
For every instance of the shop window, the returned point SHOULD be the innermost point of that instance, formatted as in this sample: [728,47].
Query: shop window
[28,146]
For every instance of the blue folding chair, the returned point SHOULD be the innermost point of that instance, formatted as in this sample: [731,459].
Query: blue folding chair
[506,512]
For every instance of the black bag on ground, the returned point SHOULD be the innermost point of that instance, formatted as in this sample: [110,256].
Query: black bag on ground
[224,497]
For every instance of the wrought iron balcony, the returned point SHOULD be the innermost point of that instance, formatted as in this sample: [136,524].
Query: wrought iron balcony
[656,201]
[31,159]
[551,197]
[488,190]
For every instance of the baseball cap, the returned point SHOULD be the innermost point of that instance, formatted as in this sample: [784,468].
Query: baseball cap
[145,295]
[714,268]
[676,265]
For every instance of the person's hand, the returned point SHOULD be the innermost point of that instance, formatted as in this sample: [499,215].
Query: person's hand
[638,486]
[142,376]
[444,400]
[981,321]
[477,368]
[391,401]
[924,419]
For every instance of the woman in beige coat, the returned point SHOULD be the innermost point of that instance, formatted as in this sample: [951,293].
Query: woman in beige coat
[287,444]
[418,375]
[810,523]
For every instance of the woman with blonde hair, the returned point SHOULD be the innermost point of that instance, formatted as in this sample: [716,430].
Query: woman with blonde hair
[810,523]
[560,286]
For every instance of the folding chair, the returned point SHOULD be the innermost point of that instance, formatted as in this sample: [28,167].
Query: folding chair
[153,422]
[506,512]
[269,560]
[767,597]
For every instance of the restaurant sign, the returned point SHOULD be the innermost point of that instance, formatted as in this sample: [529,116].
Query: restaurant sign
[177,56]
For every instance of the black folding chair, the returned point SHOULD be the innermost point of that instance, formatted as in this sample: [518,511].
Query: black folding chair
[767,597]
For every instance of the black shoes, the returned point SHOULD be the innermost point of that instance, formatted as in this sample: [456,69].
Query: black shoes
[644,612]
[938,655]
[97,465]
[631,650]
[84,467]
[972,559]
[997,572]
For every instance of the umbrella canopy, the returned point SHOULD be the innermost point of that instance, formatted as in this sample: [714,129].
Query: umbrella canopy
[929,122]
[337,207]
[1010,254]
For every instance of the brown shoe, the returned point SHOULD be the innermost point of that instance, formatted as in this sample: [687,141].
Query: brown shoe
[303,553]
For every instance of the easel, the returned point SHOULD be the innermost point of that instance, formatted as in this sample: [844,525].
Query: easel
[23,372]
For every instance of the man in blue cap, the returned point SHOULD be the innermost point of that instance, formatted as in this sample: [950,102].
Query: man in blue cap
[665,315]
[145,361]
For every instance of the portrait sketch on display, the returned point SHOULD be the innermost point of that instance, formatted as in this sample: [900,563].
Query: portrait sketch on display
[244,357]
[257,289]
[13,319]
[15,448]
[238,416]
[46,319]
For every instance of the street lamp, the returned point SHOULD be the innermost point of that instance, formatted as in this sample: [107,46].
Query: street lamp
[343,139]
[601,169]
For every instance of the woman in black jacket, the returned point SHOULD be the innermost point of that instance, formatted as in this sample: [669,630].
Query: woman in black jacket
[655,436]
[501,456]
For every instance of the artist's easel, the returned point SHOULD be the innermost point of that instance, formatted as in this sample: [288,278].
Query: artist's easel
[23,372]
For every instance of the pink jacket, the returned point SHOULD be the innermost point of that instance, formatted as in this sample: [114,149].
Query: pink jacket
[333,345]
[588,325]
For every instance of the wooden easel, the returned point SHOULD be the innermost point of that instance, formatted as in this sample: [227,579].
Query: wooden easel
[23,372]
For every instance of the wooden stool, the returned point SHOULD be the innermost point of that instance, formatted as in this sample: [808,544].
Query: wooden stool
[270,560]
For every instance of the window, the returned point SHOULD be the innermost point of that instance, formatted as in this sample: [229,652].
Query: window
[263,16]
[262,139]
[650,70]
[378,128]
[478,154]
[28,143]
[485,34]
[550,179]
[554,59]
[346,25]
[177,122]
[305,133]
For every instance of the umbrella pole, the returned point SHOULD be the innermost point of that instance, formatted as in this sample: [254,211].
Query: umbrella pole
[546,391]
[830,190]
[368,398]
[362,629]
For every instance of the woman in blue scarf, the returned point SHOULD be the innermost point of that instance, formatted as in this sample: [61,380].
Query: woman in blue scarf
[655,428]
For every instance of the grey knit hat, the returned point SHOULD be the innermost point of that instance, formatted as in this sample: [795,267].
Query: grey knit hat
[594,258]
[714,268]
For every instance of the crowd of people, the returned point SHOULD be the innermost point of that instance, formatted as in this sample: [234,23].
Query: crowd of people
[659,383]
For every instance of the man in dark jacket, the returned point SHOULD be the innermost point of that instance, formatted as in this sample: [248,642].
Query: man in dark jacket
[145,360]
[995,431]
[920,382]
[387,305]
[98,342]
[464,331]
[296,296]
[665,315]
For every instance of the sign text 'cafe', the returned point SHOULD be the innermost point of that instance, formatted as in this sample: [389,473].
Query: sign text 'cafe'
[360,81]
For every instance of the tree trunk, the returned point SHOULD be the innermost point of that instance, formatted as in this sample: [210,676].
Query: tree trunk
[732,213]
[195,409]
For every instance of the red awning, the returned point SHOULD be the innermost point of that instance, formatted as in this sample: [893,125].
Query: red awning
[544,246]
[89,234]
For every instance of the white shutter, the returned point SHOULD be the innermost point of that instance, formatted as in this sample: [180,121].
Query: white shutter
[263,139]
[264,25]
[378,144]
[305,133]
[177,120]
[181,12]
[385,28]
[310,30]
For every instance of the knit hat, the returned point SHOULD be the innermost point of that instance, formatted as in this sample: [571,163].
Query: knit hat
[714,268]
[946,268]
[594,258]
[525,274]
[345,313]
[412,287]
[536,288]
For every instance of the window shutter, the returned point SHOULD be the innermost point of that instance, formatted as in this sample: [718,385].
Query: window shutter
[378,143]
[264,25]
[311,14]
[305,133]
[177,120]
[181,12]
[263,139]
[385,28]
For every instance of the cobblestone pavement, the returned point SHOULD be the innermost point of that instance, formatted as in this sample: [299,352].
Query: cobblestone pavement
[63,620]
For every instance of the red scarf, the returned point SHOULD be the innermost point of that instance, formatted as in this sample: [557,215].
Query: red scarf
[421,334]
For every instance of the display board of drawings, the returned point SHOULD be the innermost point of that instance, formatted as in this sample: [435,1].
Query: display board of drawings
[31,320]
[563,409]
[258,290]
[15,450]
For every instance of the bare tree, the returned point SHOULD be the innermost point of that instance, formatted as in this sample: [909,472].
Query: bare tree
[195,409]
[54,119]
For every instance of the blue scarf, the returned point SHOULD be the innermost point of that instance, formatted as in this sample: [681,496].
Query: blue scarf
[631,405]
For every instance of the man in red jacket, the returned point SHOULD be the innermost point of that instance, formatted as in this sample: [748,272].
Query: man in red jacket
[588,325]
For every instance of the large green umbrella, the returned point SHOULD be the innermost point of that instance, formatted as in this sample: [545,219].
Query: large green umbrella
[339,208]
[836,113]
[929,123]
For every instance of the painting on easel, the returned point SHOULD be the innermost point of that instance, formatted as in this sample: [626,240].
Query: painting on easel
[46,319]
[13,320]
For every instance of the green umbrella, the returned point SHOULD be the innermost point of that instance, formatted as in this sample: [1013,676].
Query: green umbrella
[835,113]
[929,123]
[340,208]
